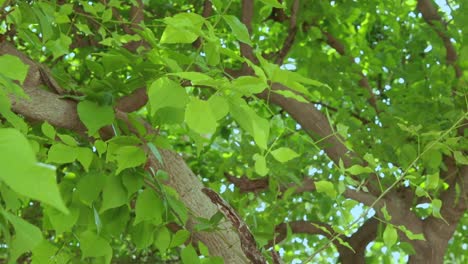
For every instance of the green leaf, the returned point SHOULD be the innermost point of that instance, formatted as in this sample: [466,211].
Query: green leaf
[219,106]
[92,245]
[460,158]
[211,49]
[62,222]
[162,239]
[143,235]
[178,207]
[407,248]
[95,116]
[189,255]
[199,117]
[283,154]
[100,146]
[97,220]
[149,207]
[60,46]
[46,253]
[85,157]
[133,181]
[113,193]
[250,121]
[432,158]
[179,238]
[326,187]
[12,67]
[60,153]
[390,236]
[126,157]
[385,213]
[410,234]
[249,85]
[432,181]
[436,205]
[22,173]
[48,130]
[238,29]
[27,236]
[6,113]
[89,187]
[67,139]
[260,165]
[107,15]
[272,3]
[358,169]
[166,93]
[182,28]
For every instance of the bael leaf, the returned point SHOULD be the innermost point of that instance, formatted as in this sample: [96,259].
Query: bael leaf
[189,255]
[260,165]
[61,154]
[179,238]
[22,173]
[162,239]
[460,158]
[238,29]
[13,68]
[149,207]
[390,236]
[358,169]
[432,181]
[113,193]
[126,157]
[199,117]
[326,187]
[410,234]
[92,245]
[166,93]
[283,154]
[48,130]
[27,236]
[272,3]
[249,85]
[436,205]
[182,28]
[219,106]
[257,126]
[95,116]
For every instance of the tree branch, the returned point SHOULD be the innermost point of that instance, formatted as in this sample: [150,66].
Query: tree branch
[364,81]
[288,42]
[246,18]
[307,185]
[435,21]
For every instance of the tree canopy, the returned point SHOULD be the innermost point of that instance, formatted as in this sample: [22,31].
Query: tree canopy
[239,131]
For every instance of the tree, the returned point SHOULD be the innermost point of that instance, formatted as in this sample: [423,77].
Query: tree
[241,131]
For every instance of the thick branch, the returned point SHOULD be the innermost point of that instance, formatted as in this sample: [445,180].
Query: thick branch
[359,241]
[288,42]
[246,18]
[435,21]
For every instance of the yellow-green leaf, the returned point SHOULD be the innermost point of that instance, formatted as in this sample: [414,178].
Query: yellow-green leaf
[283,154]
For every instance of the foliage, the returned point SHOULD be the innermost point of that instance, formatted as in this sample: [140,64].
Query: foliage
[328,126]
